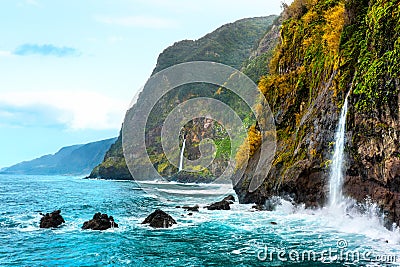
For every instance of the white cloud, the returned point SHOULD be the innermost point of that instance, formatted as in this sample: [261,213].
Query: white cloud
[4,53]
[139,21]
[73,109]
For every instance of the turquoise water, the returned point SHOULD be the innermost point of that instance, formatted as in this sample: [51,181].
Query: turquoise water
[239,237]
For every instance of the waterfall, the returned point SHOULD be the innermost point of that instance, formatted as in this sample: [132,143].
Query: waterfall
[181,157]
[336,172]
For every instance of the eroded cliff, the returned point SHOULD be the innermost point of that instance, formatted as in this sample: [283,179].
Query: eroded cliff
[326,49]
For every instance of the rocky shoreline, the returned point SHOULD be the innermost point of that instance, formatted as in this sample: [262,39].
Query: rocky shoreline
[157,219]
[306,89]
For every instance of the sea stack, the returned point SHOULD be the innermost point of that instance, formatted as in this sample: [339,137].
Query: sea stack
[51,220]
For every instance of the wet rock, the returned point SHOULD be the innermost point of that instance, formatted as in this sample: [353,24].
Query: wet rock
[274,223]
[230,199]
[194,208]
[224,204]
[220,205]
[159,219]
[302,176]
[100,222]
[51,220]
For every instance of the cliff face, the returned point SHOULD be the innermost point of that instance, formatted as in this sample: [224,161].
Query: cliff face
[303,94]
[113,165]
[326,49]
[374,126]
[231,44]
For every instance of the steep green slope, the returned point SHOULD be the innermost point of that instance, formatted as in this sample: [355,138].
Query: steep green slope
[328,48]
[230,44]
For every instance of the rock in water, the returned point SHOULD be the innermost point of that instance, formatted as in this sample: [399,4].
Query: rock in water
[220,205]
[194,208]
[100,222]
[230,198]
[223,204]
[51,220]
[159,219]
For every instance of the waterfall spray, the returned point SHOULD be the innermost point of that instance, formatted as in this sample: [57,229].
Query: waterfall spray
[336,173]
[181,156]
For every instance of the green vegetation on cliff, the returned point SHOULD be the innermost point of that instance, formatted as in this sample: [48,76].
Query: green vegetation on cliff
[328,48]
[305,62]
[371,49]
[113,164]
[231,44]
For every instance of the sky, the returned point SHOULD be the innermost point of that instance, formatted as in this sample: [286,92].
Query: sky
[69,69]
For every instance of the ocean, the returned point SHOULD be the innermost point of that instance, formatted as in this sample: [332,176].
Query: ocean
[241,236]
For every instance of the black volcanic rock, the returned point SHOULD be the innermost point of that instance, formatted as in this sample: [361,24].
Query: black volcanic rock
[229,198]
[224,204]
[194,208]
[220,205]
[100,222]
[159,219]
[52,220]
